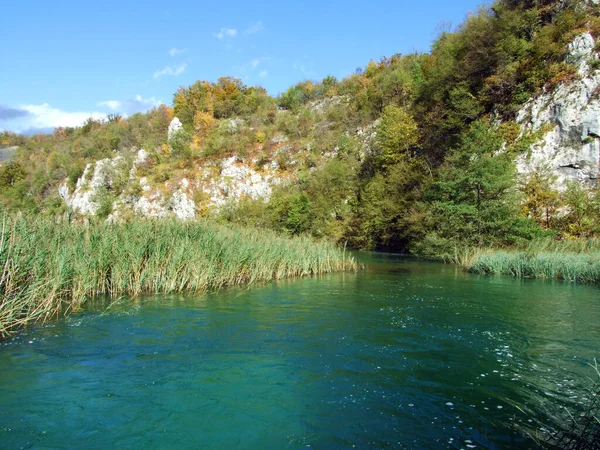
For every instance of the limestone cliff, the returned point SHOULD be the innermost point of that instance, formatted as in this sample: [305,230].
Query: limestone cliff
[571,148]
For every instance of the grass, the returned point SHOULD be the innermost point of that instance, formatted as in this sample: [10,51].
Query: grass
[572,427]
[50,268]
[576,260]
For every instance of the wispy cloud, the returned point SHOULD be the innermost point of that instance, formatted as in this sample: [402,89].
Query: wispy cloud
[254,28]
[226,33]
[306,68]
[256,62]
[177,51]
[256,65]
[111,104]
[171,71]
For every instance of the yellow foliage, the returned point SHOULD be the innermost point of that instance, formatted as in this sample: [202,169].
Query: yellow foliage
[509,131]
[372,69]
[203,124]
[260,137]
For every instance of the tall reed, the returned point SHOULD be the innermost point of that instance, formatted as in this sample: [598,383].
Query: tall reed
[50,267]
[575,260]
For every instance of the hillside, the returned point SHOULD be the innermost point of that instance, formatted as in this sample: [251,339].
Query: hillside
[489,139]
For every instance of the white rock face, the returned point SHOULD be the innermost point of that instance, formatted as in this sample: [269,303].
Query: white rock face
[279,138]
[95,176]
[152,205]
[237,181]
[174,127]
[233,125]
[183,207]
[328,102]
[63,191]
[142,156]
[571,150]
[367,137]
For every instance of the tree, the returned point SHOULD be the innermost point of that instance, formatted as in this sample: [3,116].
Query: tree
[541,200]
[397,133]
[11,173]
[581,210]
[474,200]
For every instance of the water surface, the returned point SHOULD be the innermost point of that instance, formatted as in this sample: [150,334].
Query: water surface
[408,354]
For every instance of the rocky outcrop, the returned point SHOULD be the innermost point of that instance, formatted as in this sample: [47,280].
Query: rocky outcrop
[214,186]
[571,148]
[174,127]
[237,180]
[182,203]
[95,177]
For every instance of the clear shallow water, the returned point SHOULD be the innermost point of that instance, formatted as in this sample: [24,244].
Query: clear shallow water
[406,355]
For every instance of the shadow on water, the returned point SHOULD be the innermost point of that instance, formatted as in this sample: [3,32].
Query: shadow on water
[406,354]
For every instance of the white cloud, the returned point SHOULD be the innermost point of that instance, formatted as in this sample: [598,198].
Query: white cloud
[140,104]
[170,70]
[225,33]
[252,65]
[177,51]
[255,67]
[44,116]
[131,105]
[306,68]
[111,104]
[255,28]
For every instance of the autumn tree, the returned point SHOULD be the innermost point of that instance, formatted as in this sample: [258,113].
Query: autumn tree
[397,134]
[541,200]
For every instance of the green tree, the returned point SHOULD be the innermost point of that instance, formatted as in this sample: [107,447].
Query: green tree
[541,201]
[397,133]
[581,218]
[474,200]
[11,173]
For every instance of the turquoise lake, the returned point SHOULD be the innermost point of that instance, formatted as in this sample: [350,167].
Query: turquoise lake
[406,354]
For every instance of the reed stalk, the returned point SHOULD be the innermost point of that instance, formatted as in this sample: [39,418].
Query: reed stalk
[49,268]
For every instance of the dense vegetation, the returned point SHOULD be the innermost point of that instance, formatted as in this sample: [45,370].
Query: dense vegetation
[438,175]
[577,260]
[52,267]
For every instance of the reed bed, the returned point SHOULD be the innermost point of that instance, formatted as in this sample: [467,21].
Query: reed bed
[576,260]
[51,268]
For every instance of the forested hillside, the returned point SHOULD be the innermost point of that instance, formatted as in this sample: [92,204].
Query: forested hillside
[414,151]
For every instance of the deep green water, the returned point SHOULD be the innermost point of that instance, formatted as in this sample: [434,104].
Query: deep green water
[406,355]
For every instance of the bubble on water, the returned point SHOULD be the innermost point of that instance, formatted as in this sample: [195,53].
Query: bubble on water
[449,404]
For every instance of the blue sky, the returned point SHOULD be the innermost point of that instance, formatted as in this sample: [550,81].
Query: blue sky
[64,61]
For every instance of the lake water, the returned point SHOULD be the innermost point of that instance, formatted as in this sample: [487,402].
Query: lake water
[407,354]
